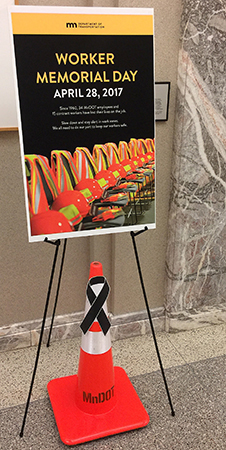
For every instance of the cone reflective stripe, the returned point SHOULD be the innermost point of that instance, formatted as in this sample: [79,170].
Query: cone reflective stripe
[100,400]
[91,342]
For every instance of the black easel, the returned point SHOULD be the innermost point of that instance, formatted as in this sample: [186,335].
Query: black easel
[56,244]
[133,235]
[57,291]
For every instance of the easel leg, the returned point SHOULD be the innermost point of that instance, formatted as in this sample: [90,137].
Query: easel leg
[57,292]
[57,243]
[149,316]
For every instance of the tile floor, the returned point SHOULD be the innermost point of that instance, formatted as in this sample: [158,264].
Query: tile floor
[185,353]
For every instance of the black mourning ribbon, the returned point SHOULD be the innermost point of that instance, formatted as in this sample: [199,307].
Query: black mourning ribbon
[96,311]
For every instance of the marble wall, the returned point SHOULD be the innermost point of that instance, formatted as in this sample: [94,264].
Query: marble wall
[196,255]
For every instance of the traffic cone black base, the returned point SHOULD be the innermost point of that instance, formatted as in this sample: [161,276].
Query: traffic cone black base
[76,426]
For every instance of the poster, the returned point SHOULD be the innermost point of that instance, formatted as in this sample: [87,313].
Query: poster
[85,83]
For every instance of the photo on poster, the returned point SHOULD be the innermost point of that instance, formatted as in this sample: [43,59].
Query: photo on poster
[85,84]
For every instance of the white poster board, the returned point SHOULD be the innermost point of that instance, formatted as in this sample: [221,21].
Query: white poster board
[85,80]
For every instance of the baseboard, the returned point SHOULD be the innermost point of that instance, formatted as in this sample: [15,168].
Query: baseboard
[27,334]
[123,326]
[195,318]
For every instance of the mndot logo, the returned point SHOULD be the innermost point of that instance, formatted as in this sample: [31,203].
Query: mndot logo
[71,25]
[84,25]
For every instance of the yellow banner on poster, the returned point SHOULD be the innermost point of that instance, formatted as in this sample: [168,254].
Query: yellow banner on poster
[81,24]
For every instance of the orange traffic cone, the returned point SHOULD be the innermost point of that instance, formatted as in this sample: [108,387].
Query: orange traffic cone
[100,400]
